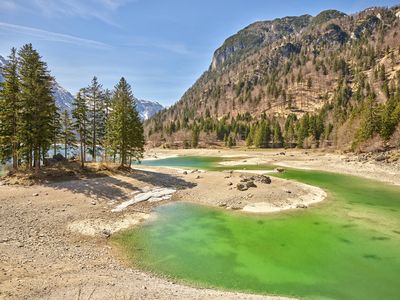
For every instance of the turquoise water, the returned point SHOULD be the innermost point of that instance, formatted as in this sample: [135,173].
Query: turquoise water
[184,162]
[345,248]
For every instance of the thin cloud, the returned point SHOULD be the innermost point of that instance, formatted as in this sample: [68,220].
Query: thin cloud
[102,10]
[52,36]
[7,5]
[170,46]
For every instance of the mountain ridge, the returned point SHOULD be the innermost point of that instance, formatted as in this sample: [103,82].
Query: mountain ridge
[291,65]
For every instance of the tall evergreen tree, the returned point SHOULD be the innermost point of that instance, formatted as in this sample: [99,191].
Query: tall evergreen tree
[195,136]
[34,126]
[389,118]
[9,110]
[94,96]
[80,115]
[124,130]
[277,135]
[370,121]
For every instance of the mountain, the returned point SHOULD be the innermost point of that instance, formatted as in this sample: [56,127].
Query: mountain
[305,81]
[64,99]
[147,109]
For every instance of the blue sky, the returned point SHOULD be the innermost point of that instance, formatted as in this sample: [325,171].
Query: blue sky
[160,46]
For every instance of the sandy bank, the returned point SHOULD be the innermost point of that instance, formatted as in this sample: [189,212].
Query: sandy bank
[54,245]
[350,163]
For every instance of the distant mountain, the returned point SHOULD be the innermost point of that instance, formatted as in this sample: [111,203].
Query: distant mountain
[266,81]
[147,108]
[64,99]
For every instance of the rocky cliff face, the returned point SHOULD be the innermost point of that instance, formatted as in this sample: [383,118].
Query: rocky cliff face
[255,36]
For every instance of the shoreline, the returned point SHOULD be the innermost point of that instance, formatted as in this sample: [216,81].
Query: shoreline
[54,237]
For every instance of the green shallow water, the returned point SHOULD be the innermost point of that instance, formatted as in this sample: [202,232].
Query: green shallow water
[347,247]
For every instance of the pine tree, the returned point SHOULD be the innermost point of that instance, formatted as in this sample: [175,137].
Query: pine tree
[277,136]
[262,135]
[67,133]
[9,110]
[390,116]
[80,115]
[303,129]
[124,131]
[195,136]
[370,122]
[94,96]
[34,127]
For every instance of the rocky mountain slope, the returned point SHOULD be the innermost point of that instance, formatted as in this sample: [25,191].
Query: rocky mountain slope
[324,67]
[64,99]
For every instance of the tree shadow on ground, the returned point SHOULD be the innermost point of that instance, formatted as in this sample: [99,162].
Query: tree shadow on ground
[161,179]
[122,185]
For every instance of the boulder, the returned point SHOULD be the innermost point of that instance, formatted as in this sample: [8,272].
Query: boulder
[242,187]
[264,179]
[59,157]
[106,233]
[381,157]
[246,178]
[250,184]
[301,205]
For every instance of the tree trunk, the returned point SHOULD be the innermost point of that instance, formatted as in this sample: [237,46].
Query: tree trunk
[14,145]
[29,158]
[65,149]
[94,132]
[123,158]
[14,156]
[37,161]
[43,155]
[82,155]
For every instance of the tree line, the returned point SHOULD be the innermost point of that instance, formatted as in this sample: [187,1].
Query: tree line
[101,122]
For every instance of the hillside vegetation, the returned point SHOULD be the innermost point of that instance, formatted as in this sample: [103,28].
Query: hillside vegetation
[331,80]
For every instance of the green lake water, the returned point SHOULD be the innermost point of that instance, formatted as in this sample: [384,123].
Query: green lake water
[347,247]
